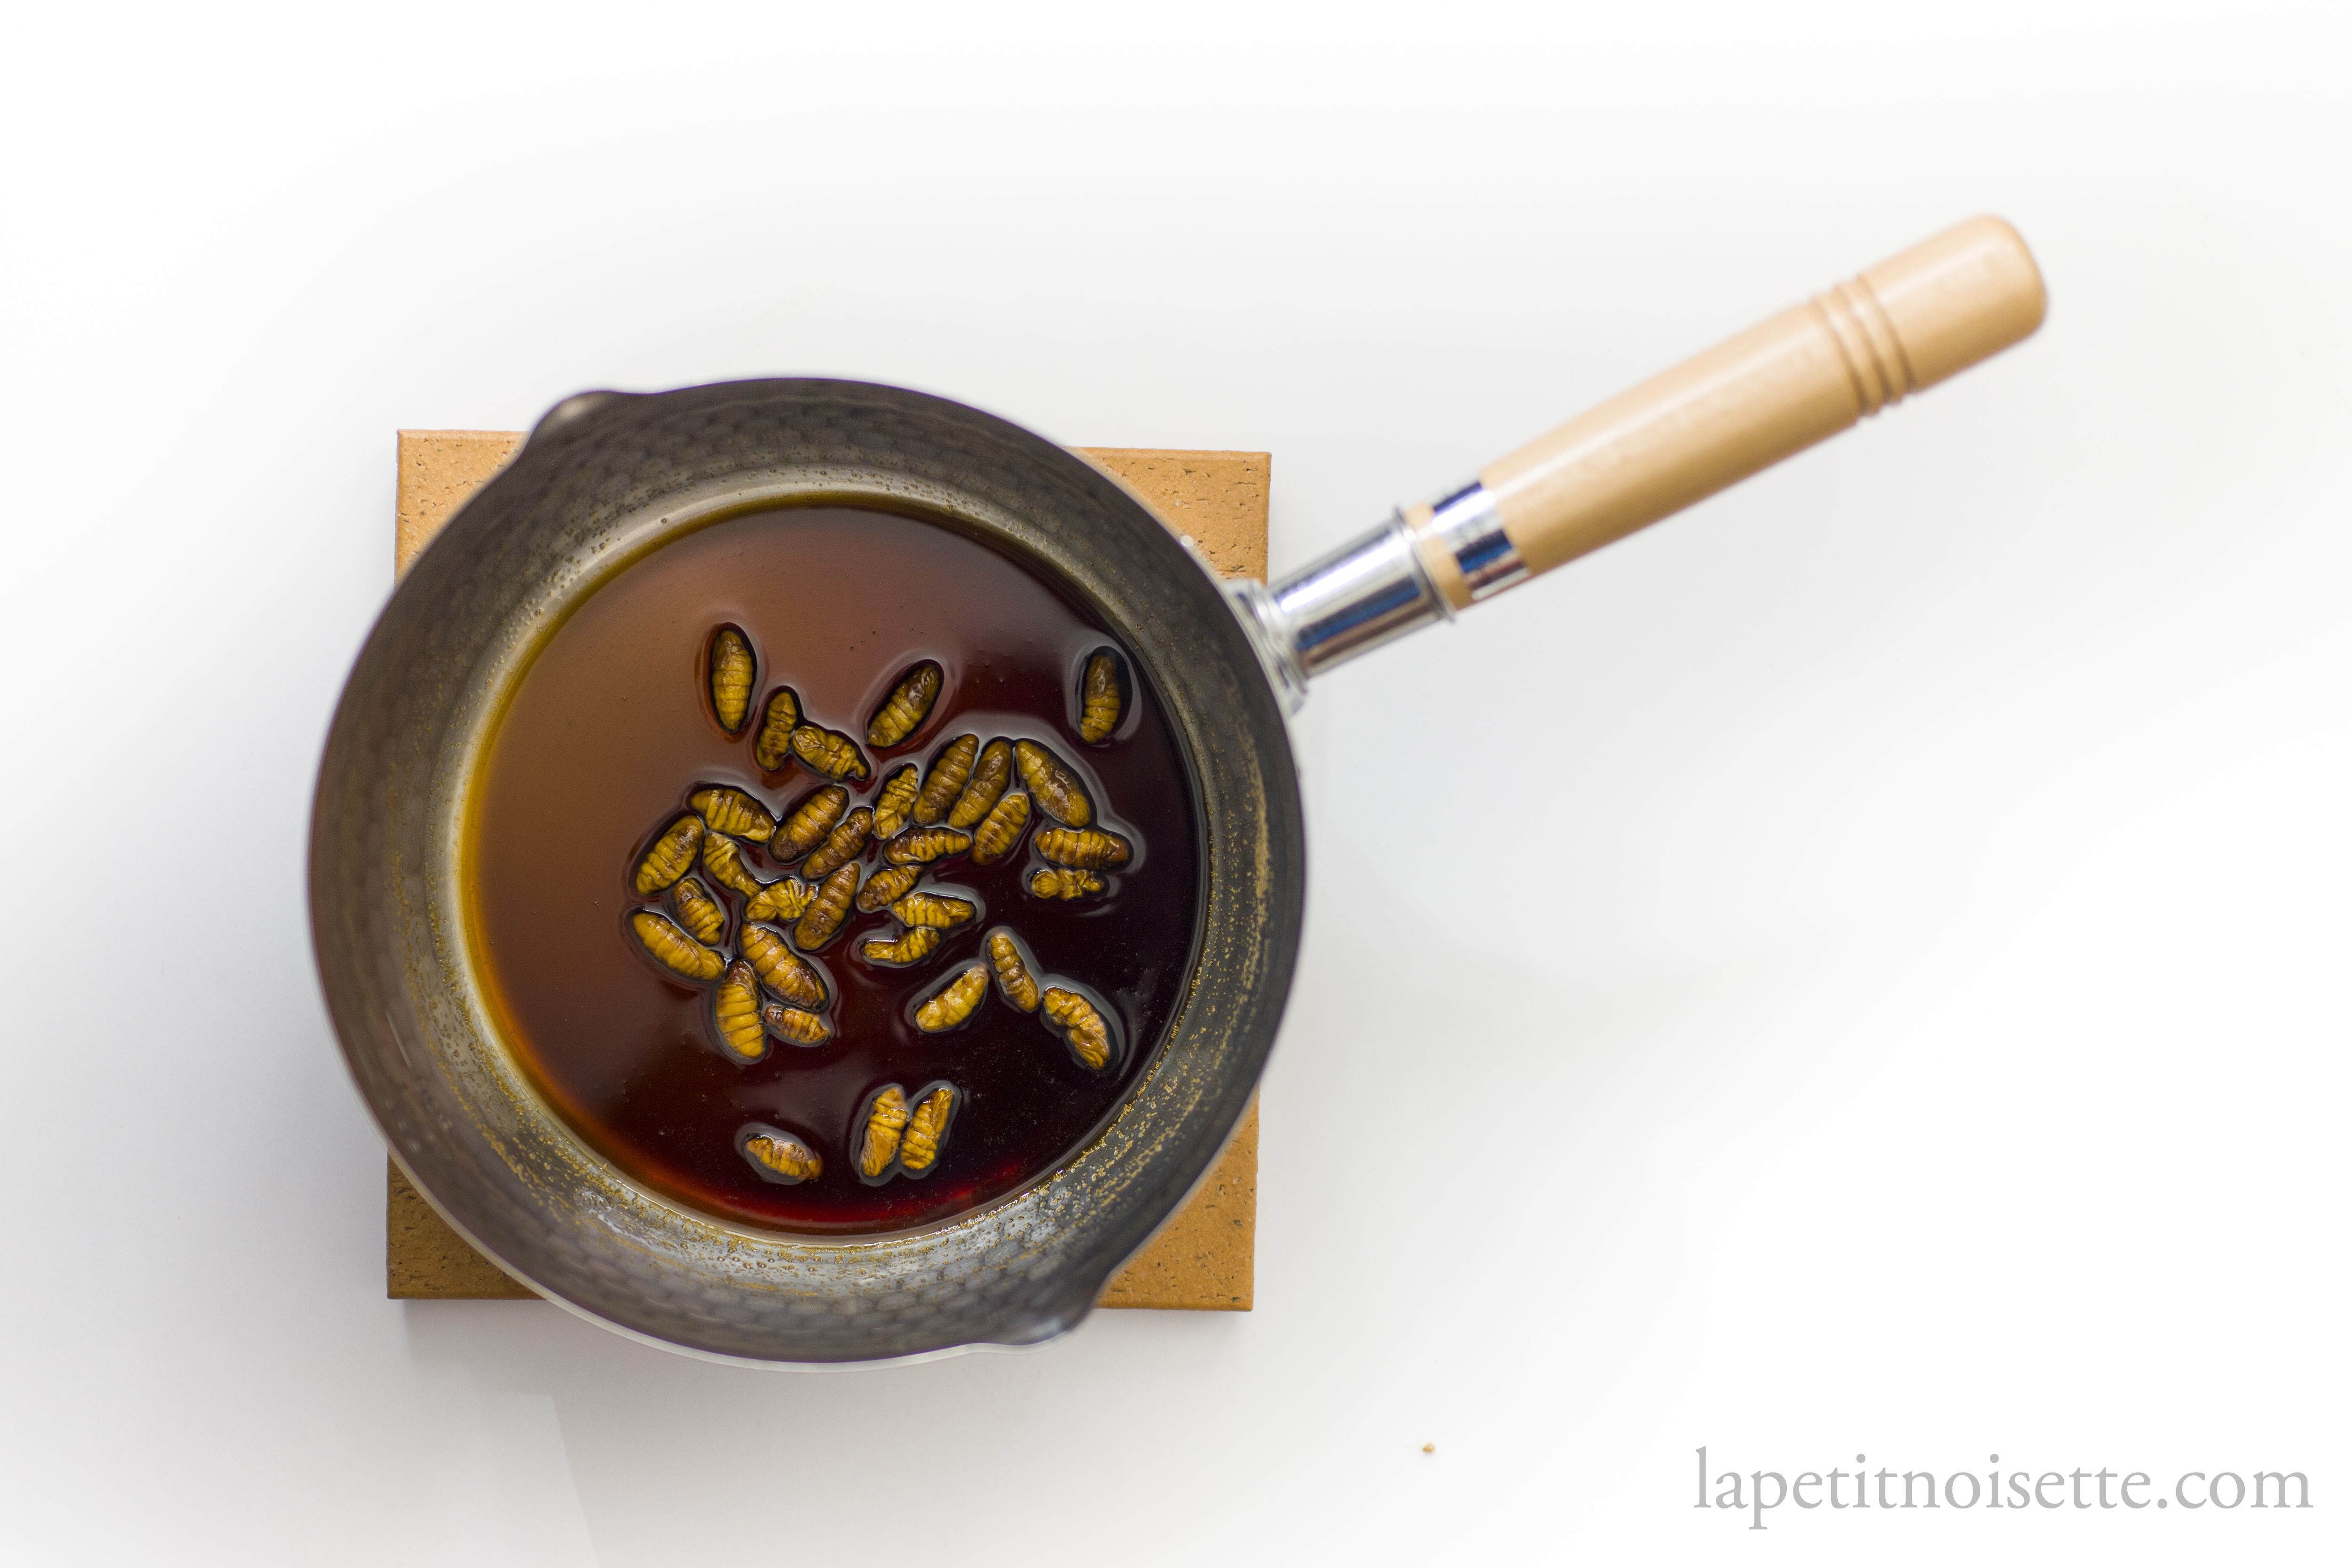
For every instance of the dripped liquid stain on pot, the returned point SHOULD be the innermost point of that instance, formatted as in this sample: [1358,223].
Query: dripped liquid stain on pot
[618,725]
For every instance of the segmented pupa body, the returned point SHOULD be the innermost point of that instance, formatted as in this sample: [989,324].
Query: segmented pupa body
[843,844]
[673,949]
[999,831]
[1014,983]
[773,749]
[1064,883]
[810,824]
[781,969]
[950,770]
[1060,794]
[990,775]
[828,910]
[1080,1025]
[731,669]
[697,911]
[933,910]
[722,857]
[735,1009]
[798,1025]
[921,846]
[909,704]
[894,805]
[731,810]
[927,1129]
[781,901]
[953,1002]
[885,1123]
[886,886]
[782,1159]
[1098,698]
[908,948]
[671,857]
[828,751]
[1088,849]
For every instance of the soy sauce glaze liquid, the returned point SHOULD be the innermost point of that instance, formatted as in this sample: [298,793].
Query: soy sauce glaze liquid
[611,728]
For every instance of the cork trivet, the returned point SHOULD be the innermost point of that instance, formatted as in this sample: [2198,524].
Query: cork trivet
[1204,1258]
[1217,498]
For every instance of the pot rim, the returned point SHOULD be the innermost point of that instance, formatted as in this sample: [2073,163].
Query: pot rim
[604,479]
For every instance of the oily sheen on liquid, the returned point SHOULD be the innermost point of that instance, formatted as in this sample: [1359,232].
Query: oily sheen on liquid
[614,728]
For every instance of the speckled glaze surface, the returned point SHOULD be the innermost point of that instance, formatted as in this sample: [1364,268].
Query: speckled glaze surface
[605,478]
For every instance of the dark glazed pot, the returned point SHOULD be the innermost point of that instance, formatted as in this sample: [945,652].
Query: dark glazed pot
[604,479]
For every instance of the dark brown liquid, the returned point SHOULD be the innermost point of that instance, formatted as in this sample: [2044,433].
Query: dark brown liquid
[612,727]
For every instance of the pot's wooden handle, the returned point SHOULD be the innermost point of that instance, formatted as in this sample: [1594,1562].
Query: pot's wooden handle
[1773,391]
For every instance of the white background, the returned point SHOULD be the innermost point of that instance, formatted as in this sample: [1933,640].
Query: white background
[1858,968]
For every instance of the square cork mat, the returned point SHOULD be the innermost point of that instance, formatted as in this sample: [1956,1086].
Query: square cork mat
[1204,1258]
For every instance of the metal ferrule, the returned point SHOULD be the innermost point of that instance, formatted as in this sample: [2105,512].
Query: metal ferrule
[1358,597]
[1468,526]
